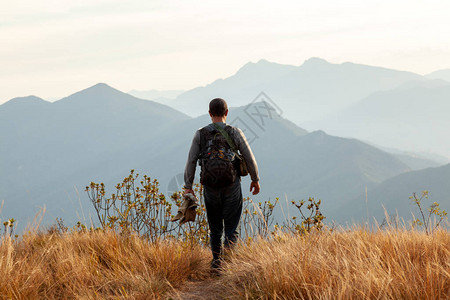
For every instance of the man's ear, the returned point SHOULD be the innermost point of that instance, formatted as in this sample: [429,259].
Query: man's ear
[226,113]
[210,113]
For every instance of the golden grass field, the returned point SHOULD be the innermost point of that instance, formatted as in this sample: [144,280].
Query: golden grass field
[342,264]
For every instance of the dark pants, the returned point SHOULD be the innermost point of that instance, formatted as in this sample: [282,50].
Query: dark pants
[223,209]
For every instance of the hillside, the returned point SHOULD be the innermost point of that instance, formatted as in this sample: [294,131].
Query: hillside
[394,194]
[53,150]
[326,167]
[355,263]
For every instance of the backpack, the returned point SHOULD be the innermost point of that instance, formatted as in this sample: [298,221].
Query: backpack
[217,159]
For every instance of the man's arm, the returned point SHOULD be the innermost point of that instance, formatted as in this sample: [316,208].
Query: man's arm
[252,166]
[189,171]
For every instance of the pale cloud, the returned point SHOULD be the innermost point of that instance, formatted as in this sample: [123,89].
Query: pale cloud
[53,48]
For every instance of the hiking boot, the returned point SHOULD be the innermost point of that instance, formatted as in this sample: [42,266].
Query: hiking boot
[215,266]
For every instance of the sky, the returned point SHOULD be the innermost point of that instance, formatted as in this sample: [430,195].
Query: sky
[53,48]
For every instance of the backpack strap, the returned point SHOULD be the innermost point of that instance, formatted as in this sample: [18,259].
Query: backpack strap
[227,138]
[204,134]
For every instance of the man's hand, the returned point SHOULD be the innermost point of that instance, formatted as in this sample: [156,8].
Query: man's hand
[189,191]
[255,187]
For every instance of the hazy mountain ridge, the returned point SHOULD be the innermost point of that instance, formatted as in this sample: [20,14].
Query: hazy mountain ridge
[99,134]
[313,94]
[50,148]
[307,92]
[326,167]
[393,194]
[414,119]
[25,101]
[443,74]
[416,162]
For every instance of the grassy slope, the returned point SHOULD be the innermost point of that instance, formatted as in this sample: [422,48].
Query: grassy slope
[345,265]
[95,265]
[354,264]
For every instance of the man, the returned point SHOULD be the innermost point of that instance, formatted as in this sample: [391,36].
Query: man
[223,195]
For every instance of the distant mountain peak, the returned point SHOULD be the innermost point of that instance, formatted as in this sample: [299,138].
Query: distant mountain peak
[251,65]
[315,61]
[97,92]
[318,132]
[100,86]
[263,61]
[263,66]
[28,100]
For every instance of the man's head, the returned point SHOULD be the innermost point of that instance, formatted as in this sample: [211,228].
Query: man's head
[218,108]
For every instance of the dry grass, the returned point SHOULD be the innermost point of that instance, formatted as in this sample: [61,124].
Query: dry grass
[352,264]
[356,264]
[95,266]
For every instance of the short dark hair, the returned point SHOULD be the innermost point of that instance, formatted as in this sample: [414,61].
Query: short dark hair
[218,107]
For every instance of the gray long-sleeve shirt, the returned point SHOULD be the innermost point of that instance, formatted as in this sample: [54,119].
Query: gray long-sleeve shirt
[241,144]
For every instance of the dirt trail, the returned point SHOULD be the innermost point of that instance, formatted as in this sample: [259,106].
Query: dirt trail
[208,289]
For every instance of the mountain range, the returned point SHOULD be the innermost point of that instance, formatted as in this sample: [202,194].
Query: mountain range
[51,147]
[319,95]
[53,150]
[304,93]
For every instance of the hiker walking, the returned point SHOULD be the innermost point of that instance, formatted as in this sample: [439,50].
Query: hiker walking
[224,156]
